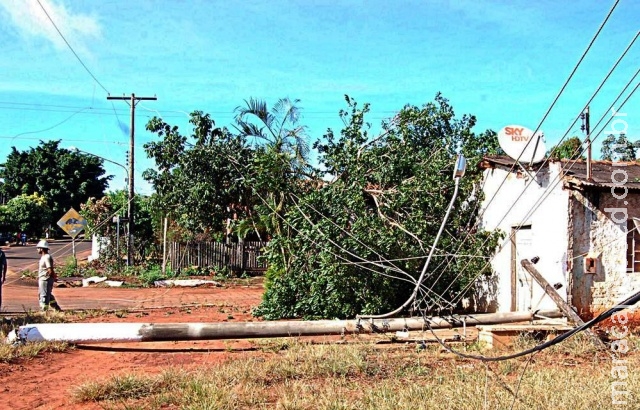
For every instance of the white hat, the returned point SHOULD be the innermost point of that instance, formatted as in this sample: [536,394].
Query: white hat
[43,244]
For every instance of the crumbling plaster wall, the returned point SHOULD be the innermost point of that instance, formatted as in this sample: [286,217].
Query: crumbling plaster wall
[512,199]
[599,232]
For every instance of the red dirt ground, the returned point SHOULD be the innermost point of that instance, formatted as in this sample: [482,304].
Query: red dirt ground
[46,382]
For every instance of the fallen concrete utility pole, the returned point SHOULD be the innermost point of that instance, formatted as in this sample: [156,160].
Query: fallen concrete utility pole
[86,333]
[562,305]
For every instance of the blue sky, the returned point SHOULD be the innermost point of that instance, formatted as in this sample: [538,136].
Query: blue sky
[503,61]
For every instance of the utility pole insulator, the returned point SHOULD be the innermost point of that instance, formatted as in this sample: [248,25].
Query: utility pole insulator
[587,130]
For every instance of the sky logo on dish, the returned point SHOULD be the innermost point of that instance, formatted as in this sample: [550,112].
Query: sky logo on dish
[516,134]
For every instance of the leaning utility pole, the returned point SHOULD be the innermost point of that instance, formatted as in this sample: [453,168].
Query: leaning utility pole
[557,299]
[130,227]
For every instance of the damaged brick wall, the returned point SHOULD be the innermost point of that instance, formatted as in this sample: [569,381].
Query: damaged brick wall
[602,235]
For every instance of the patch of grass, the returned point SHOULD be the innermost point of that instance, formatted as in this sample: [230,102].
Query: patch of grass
[362,376]
[13,353]
[51,316]
[577,345]
[121,387]
[88,314]
[152,274]
[272,345]
[29,274]
[10,353]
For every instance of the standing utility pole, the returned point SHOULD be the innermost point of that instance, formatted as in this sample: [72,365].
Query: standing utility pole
[133,101]
[587,130]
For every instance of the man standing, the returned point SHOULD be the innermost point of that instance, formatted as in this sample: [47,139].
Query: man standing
[46,277]
[3,272]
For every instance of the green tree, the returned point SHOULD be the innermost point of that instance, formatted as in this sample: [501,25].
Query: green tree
[570,149]
[27,213]
[65,179]
[99,214]
[278,129]
[200,179]
[280,167]
[385,201]
[619,149]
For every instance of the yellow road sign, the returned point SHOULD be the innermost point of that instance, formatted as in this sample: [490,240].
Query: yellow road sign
[72,223]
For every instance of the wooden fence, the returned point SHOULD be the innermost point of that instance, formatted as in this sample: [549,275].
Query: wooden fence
[234,256]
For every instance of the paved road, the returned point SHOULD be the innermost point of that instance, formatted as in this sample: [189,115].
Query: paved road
[26,257]
[19,298]
[22,295]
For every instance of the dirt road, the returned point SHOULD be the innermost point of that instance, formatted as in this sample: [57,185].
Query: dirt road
[47,381]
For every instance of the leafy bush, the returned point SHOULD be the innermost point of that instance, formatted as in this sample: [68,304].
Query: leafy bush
[68,269]
[153,273]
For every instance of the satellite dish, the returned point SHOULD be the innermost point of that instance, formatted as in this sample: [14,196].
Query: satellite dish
[519,143]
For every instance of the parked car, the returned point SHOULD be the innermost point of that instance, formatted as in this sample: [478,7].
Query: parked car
[6,237]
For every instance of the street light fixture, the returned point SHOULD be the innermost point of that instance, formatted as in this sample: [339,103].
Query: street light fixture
[77,150]
[458,173]
[129,199]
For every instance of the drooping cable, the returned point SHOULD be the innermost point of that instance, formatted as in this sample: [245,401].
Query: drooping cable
[71,48]
[563,170]
[630,301]
[595,93]
[426,264]
[554,102]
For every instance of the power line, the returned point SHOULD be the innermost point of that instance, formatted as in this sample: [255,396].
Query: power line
[160,112]
[564,136]
[630,301]
[78,57]
[52,127]
[624,53]
[553,183]
[550,155]
[71,48]
[584,54]
[554,102]
[548,190]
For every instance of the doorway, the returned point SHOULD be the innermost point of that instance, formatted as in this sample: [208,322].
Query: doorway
[521,281]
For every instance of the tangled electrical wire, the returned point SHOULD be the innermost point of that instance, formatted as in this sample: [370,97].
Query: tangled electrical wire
[630,301]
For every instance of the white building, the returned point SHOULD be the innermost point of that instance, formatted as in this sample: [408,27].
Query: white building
[585,238]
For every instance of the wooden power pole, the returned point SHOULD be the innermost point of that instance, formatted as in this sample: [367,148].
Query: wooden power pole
[557,299]
[130,207]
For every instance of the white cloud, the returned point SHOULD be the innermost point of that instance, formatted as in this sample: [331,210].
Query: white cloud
[31,21]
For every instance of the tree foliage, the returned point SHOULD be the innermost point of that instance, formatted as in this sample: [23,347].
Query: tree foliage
[99,214]
[352,242]
[280,167]
[199,178]
[619,148]
[65,179]
[26,213]
[570,149]
[278,130]
[385,201]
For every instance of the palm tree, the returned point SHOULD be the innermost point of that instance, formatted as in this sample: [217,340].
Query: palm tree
[282,153]
[279,128]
